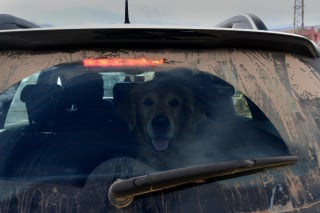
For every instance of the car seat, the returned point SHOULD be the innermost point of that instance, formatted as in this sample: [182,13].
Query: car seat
[41,103]
[82,105]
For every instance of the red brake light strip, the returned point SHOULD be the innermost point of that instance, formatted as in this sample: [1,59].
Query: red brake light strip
[118,62]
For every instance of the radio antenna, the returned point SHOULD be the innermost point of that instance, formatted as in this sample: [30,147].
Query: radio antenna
[126,17]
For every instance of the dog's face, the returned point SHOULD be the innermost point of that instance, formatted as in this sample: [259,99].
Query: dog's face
[160,112]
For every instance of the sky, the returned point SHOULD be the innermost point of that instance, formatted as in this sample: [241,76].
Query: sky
[61,13]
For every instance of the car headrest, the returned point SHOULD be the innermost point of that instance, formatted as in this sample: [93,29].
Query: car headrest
[39,92]
[40,102]
[121,92]
[85,88]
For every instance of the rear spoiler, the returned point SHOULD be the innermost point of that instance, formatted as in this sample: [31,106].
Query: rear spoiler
[226,35]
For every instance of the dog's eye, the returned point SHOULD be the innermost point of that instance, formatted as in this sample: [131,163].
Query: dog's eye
[148,102]
[174,102]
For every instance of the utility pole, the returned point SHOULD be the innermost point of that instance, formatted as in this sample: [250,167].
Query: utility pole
[126,17]
[298,21]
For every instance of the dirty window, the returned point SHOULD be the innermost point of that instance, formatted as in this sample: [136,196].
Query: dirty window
[148,114]
[65,124]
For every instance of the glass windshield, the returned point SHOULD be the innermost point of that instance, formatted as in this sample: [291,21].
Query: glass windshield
[60,124]
[169,119]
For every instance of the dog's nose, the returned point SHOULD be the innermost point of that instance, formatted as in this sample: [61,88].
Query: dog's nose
[160,123]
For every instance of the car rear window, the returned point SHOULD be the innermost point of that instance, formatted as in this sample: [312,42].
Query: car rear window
[186,115]
[61,124]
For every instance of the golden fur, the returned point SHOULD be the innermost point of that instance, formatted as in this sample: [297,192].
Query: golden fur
[163,116]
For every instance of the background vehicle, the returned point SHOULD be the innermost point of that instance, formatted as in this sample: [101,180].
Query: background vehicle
[64,141]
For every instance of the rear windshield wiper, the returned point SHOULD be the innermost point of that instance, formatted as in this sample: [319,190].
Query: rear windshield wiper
[122,192]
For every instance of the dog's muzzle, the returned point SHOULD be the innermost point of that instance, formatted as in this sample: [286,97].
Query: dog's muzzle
[161,133]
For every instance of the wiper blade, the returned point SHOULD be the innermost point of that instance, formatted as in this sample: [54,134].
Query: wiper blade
[122,192]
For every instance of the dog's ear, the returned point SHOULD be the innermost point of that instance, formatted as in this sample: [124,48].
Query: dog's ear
[195,113]
[123,101]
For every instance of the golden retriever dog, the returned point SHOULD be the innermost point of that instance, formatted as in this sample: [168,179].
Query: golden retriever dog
[163,115]
[182,120]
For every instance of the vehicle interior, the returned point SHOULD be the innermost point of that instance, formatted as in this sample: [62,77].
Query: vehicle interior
[66,120]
